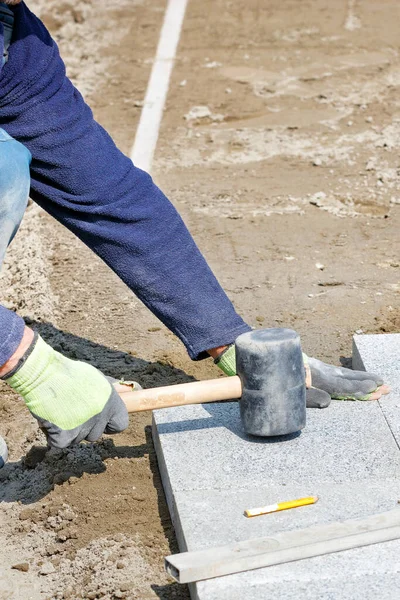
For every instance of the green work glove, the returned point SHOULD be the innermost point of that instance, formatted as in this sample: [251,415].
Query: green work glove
[327,381]
[71,400]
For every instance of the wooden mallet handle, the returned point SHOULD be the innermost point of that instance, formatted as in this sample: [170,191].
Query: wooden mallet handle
[198,392]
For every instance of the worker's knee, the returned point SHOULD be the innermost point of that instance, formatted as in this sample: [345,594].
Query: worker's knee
[14,187]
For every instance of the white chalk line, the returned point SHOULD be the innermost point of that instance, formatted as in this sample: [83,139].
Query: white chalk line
[352,21]
[150,119]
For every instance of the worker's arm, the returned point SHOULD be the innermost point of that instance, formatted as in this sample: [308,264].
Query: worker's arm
[71,400]
[80,177]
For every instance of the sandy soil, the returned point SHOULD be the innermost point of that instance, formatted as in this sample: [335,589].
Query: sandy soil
[288,177]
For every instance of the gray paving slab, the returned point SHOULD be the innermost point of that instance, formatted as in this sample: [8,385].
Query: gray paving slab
[381,354]
[345,575]
[205,448]
[220,513]
[211,472]
[371,581]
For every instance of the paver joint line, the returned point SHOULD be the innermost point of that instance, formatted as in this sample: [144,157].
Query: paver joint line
[373,353]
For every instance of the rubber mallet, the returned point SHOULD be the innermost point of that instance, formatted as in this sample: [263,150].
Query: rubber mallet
[270,385]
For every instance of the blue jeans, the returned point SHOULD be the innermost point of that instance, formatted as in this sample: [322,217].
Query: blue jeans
[14,188]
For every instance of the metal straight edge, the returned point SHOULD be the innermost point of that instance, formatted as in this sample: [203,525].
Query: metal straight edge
[284,547]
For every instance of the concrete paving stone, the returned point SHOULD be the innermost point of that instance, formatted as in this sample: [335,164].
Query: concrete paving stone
[207,517]
[203,447]
[347,455]
[381,354]
[373,582]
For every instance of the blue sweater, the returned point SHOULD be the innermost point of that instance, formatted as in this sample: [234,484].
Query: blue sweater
[80,177]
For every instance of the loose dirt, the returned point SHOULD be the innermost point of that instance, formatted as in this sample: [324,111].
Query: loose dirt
[279,146]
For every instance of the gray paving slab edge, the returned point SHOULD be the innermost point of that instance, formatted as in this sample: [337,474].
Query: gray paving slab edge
[169,494]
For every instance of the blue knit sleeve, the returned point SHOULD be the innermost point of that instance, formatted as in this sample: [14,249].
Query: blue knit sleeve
[79,176]
[2,58]
[11,332]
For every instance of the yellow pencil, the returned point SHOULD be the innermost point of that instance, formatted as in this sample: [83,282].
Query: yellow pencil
[265,510]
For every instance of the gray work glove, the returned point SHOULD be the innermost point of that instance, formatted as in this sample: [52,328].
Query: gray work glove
[344,384]
[324,381]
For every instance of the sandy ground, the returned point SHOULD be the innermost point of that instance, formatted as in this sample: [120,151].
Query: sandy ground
[279,146]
